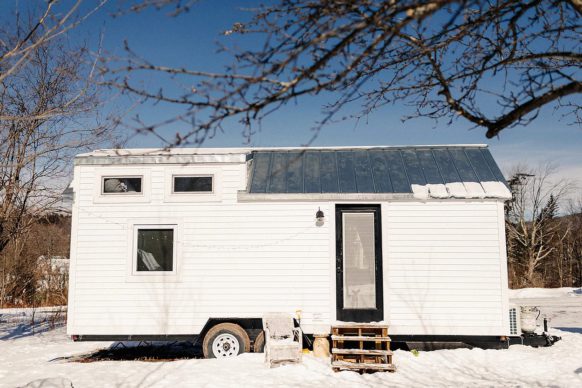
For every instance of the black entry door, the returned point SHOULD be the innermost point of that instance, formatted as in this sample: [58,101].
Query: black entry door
[359,263]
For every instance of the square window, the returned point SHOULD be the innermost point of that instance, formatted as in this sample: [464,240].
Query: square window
[122,185]
[193,184]
[155,250]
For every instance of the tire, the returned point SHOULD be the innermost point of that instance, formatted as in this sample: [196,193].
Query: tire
[259,346]
[225,340]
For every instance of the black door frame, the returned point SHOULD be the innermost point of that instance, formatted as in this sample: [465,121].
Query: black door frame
[359,315]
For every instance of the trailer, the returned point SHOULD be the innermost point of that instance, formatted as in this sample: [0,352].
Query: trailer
[198,244]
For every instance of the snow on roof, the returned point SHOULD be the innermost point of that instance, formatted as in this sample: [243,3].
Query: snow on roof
[122,152]
[162,156]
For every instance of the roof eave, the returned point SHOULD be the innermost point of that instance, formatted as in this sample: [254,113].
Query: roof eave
[244,196]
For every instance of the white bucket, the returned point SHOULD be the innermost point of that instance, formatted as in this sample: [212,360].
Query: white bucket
[529,316]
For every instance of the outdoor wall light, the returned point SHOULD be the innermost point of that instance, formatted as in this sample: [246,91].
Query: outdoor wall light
[319,216]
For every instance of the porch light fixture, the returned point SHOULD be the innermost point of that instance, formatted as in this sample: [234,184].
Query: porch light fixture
[319,216]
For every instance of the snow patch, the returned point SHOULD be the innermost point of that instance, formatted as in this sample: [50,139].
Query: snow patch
[51,382]
[438,191]
[474,190]
[496,190]
[534,293]
[456,190]
[461,190]
[419,191]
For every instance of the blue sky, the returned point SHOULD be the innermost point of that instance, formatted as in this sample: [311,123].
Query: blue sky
[189,41]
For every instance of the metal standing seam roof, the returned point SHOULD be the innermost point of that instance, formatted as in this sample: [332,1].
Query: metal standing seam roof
[374,170]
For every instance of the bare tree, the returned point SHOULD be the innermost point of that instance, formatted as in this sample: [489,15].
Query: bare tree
[533,229]
[42,106]
[494,64]
[48,106]
[571,251]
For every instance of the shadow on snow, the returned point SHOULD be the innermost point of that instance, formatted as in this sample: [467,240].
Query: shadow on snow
[22,330]
[577,330]
[139,351]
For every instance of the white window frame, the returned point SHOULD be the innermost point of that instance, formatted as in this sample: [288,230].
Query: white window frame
[100,173]
[174,176]
[103,177]
[133,275]
[193,196]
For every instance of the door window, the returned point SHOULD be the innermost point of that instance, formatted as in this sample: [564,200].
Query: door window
[359,261]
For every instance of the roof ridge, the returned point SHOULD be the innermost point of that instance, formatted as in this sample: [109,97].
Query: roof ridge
[128,152]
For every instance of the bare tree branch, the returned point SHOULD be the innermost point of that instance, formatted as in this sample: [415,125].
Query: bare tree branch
[532,105]
[445,59]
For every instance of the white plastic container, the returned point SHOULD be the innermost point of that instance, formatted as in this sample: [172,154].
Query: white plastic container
[529,316]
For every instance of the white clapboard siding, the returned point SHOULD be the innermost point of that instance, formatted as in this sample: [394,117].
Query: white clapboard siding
[235,259]
[443,266]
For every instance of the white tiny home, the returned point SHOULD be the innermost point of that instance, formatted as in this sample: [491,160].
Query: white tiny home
[171,243]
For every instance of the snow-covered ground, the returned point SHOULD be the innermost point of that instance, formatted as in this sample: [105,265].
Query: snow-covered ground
[39,359]
[562,306]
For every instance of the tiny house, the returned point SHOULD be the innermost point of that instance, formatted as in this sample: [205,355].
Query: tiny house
[200,243]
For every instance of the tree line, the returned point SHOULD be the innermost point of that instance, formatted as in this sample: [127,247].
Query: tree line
[34,266]
[543,230]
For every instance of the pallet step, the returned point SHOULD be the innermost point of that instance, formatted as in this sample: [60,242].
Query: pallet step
[370,352]
[362,366]
[359,338]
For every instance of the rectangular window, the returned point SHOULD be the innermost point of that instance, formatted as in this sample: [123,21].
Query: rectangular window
[155,249]
[122,185]
[193,184]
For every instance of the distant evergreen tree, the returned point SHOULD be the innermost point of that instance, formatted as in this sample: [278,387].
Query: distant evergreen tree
[549,211]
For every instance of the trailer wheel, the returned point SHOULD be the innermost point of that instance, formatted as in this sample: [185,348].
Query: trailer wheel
[225,340]
[259,346]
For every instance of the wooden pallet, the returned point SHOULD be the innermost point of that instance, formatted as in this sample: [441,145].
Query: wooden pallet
[361,347]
